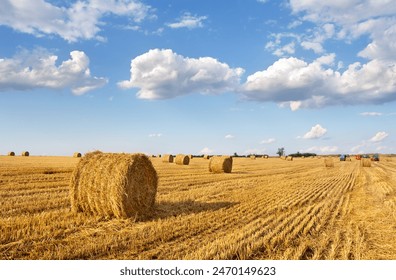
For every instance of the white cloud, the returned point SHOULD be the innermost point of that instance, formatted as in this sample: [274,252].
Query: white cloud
[316,131]
[188,21]
[254,151]
[352,19]
[322,149]
[163,74]
[371,114]
[268,141]
[80,20]
[262,1]
[229,136]
[379,136]
[206,151]
[38,69]
[155,135]
[300,84]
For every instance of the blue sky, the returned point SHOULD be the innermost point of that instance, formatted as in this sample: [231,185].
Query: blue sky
[197,77]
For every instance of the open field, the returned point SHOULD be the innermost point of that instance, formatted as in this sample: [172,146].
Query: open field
[264,209]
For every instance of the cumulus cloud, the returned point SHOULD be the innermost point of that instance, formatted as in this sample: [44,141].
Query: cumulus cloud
[294,82]
[163,74]
[316,131]
[268,141]
[353,19]
[229,136]
[80,20]
[322,149]
[379,136]
[188,21]
[206,151]
[155,135]
[38,69]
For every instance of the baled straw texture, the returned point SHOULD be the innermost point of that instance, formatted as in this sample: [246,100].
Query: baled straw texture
[77,154]
[289,158]
[182,159]
[220,164]
[365,162]
[206,157]
[167,158]
[25,154]
[114,185]
[11,154]
[329,162]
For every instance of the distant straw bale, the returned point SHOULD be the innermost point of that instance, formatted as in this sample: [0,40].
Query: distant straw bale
[283,157]
[25,154]
[329,162]
[113,185]
[206,157]
[190,156]
[77,154]
[365,162]
[289,158]
[220,164]
[182,159]
[252,157]
[265,156]
[167,158]
[11,154]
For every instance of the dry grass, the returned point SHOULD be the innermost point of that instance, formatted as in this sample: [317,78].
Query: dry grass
[265,209]
[107,185]
[182,159]
[329,162]
[220,164]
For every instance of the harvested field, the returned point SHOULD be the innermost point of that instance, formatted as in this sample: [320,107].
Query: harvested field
[264,209]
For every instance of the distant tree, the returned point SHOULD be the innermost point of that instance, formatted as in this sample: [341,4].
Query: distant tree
[235,154]
[281,151]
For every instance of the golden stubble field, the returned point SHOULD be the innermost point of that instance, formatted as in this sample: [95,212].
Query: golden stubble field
[264,209]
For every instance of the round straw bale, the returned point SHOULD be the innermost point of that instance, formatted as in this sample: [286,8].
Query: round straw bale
[206,157]
[220,164]
[289,158]
[167,158]
[365,162]
[252,157]
[113,185]
[11,154]
[329,162]
[283,157]
[265,156]
[182,159]
[25,154]
[77,154]
[190,156]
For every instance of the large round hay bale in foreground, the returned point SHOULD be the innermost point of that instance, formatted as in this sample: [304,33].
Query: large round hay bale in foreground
[167,158]
[114,185]
[182,159]
[11,154]
[329,162]
[365,162]
[77,155]
[220,164]
[25,154]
